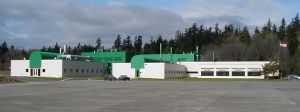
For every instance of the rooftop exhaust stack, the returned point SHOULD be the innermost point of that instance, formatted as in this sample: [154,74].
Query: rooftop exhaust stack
[65,50]
[160,51]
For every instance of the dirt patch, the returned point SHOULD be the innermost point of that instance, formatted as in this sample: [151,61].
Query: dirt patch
[5,80]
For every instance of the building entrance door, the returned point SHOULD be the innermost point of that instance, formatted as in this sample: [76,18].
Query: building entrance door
[35,72]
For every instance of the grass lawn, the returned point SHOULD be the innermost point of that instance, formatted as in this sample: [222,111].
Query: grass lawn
[97,78]
[4,73]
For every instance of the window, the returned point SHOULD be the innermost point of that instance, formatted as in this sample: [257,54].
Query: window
[87,70]
[44,70]
[82,71]
[254,73]
[71,70]
[27,70]
[77,70]
[39,72]
[238,73]
[97,71]
[193,72]
[65,70]
[222,73]
[92,70]
[207,73]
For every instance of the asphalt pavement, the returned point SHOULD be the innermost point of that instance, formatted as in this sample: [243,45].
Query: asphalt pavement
[150,96]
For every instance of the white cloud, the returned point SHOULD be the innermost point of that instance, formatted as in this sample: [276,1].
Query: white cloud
[66,22]
[34,23]
[256,12]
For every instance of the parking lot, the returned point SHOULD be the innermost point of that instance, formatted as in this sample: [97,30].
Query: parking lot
[151,96]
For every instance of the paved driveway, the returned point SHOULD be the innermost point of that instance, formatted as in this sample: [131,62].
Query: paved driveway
[151,96]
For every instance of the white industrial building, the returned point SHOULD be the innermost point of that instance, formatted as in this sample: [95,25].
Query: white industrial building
[45,64]
[58,68]
[150,70]
[243,69]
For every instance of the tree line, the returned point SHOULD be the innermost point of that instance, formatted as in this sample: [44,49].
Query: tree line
[227,43]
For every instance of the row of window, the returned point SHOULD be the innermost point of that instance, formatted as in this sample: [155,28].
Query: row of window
[234,73]
[174,72]
[96,71]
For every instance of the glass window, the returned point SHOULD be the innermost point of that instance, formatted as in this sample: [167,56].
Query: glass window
[238,73]
[71,70]
[65,70]
[254,73]
[82,71]
[27,70]
[44,70]
[222,73]
[77,70]
[192,72]
[207,73]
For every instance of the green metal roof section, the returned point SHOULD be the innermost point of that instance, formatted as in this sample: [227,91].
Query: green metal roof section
[36,57]
[109,57]
[138,61]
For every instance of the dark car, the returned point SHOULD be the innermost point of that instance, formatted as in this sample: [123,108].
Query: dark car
[110,78]
[124,78]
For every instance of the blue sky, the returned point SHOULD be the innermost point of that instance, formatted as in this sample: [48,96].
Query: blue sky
[31,24]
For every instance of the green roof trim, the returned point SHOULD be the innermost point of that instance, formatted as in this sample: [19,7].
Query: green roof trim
[35,59]
[138,61]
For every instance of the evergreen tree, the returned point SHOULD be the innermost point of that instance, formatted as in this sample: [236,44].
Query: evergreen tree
[292,31]
[99,43]
[282,29]
[43,49]
[56,48]
[127,44]
[266,30]
[256,31]
[245,36]
[138,44]
[118,43]
[3,48]
[274,29]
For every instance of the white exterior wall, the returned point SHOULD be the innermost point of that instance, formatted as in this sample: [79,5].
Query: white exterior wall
[119,69]
[194,68]
[18,68]
[162,71]
[174,71]
[53,68]
[83,69]
[153,70]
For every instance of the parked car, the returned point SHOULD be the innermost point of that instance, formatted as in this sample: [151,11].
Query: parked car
[124,78]
[294,77]
[110,78]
